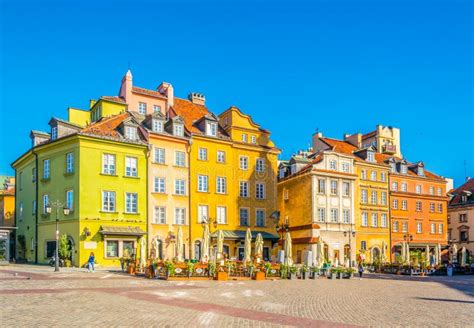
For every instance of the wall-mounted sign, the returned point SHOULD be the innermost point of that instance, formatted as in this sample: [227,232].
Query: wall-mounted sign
[90,245]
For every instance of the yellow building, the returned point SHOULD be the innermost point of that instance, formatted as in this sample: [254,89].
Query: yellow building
[7,217]
[99,172]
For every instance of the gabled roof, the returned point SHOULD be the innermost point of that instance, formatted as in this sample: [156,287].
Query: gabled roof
[190,112]
[148,92]
[113,99]
[465,189]
[74,125]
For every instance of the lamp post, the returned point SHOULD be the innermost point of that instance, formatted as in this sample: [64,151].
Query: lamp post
[57,205]
[351,233]
[408,238]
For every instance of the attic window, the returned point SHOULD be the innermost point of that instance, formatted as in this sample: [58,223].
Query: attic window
[253,139]
[157,126]
[371,156]
[131,133]
[54,133]
[403,169]
[156,108]
[421,171]
[211,129]
[393,168]
[178,130]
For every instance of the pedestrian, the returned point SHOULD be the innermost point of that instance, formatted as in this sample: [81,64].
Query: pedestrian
[90,263]
[361,270]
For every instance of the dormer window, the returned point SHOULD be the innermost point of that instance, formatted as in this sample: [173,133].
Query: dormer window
[142,108]
[178,130]
[157,126]
[131,133]
[253,139]
[54,133]
[244,137]
[156,108]
[371,156]
[421,171]
[393,168]
[333,165]
[403,168]
[211,129]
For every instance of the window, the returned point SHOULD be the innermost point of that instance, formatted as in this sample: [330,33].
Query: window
[321,186]
[159,185]
[21,210]
[142,108]
[346,189]
[404,187]
[346,216]
[363,175]
[46,169]
[159,216]
[334,215]
[260,218]
[202,155]
[432,207]
[221,214]
[463,217]
[33,207]
[404,226]
[244,216]
[108,201]
[180,158]
[159,156]
[69,162]
[244,162]
[384,220]
[395,226]
[419,227]
[220,156]
[178,130]
[395,204]
[70,199]
[403,169]
[33,174]
[440,208]
[383,198]
[440,228]
[418,206]
[404,204]
[345,167]
[112,248]
[180,187]
[440,192]
[394,186]
[383,176]
[203,213]
[260,190]
[418,189]
[131,166]
[108,164]
[421,171]
[131,201]
[463,235]
[371,156]
[431,190]
[203,185]
[253,139]
[131,133]
[244,189]
[54,133]
[244,137]
[211,129]
[373,198]
[260,166]
[365,219]
[157,126]
[156,108]
[221,187]
[45,203]
[333,187]
[363,245]
[374,220]
[321,214]
[373,176]
[333,165]
[432,228]
[363,196]
[179,215]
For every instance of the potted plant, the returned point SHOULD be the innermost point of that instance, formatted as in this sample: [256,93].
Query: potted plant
[284,271]
[331,273]
[292,271]
[250,269]
[304,271]
[348,273]
[169,266]
[314,272]
[211,269]
[267,267]
[189,268]
[222,275]
[259,274]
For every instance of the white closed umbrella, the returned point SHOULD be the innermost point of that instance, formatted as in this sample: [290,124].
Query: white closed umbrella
[288,250]
[220,243]
[259,245]
[454,254]
[383,252]
[143,252]
[439,254]
[407,252]
[463,256]
[320,255]
[427,253]
[403,251]
[436,255]
[205,244]
[248,246]
[179,246]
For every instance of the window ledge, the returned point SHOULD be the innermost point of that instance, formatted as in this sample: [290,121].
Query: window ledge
[68,174]
[130,177]
[158,163]
[44,180]
[180,195]
[108,175]
[180,166]
[159,193]
[109,212]
[131,213]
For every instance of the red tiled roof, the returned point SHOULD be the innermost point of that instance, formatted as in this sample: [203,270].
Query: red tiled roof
[148,92]
[113,98]
[7,192]
[340,146]
[190,112]
[107,126]
[468,186]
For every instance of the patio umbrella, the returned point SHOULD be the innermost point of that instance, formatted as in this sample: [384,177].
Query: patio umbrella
[427,253]
[220,243]
[179,246]
[248,246]
[320,255]
[454,254]
[463,256]
[259,245]
[288,249]
[205,244]
[143,253]
[438,260]
[383,252]
[407,252]
[403,251]
[435,256]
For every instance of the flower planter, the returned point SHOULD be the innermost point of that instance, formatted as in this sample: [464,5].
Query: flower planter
[331,275]
[304,275]
[222,276]
[131,269]
[292,276]
[339,275]
[259,275]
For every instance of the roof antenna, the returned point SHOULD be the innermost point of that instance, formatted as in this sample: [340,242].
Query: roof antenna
[465,170]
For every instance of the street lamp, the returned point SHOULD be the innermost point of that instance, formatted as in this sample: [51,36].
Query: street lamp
[49,207]
[350,233]
[408,238]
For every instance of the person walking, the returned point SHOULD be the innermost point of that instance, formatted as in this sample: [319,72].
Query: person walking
[90,263]
[361,270]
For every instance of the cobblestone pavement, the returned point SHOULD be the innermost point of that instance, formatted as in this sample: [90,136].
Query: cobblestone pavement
[36,296]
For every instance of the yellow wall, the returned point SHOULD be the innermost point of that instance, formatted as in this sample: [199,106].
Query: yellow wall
[85,117]
[79,116]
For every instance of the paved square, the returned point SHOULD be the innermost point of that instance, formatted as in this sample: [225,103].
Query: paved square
[36,296]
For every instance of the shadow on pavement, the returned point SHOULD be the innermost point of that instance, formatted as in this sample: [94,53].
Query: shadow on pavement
[443,300]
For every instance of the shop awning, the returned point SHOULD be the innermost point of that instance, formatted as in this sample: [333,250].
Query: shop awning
[240,234]
[121,231]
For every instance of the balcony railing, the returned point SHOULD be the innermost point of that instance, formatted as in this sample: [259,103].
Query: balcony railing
[389,149]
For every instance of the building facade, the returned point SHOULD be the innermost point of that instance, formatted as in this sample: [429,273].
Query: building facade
[7,218]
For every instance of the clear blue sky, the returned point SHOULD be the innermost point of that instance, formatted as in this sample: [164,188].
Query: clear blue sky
[340,66]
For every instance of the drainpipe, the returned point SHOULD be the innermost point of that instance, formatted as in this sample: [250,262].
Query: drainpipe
[189,196]
[389,200]
[147,157]
[36,209]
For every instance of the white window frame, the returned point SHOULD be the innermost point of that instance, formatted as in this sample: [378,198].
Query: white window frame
[108,164]
[346,216]
[180,187]
[247,211]
[159,185]
[333,184]
[159,215]
[220,156]
[419,227]
[156,108]
[374,220]
[202,154]
[221,185]
[373,197]
[346,189]
[260,165]
[244,162]
[365,219]
[244,189]
[203,183]
[253,139]
[404,226]
[180,158]
[260,190]
[333,165]
[384,220]
[159,156]
[221,214]
[334,215]
[54,133]
[203,213]
[259,211]
[178,129]
[364,196]
[211,129]
[373,175]
[179,216]
[321,214]
[157,125]
[109,204]
[131,132]
[69,162]
[46,169]
[131,202]
[142,108]
[70,199]
[131,166]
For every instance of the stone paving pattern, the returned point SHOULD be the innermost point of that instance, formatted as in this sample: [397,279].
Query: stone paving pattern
[36,296]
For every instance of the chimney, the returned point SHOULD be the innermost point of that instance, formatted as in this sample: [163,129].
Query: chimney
[125,91]
[167,90]
[197,98]
[355,139]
